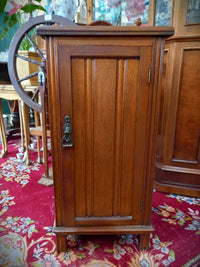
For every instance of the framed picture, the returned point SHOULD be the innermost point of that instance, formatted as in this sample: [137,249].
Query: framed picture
[193,12]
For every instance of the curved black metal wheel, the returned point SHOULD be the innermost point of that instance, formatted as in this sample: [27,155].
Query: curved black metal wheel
[13,56]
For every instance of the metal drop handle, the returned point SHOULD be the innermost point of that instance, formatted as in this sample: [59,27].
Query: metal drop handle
[67,140]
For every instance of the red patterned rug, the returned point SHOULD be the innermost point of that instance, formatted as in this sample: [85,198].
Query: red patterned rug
[27,216]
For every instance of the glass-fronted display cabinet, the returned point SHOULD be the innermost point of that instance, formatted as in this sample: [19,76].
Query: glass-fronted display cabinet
[121,12]
[131,12]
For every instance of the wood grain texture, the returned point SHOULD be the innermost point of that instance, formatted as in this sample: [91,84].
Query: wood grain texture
[89,137]
[101,78]
[79,121]
[186,143]
[178,166]
[53,85]
[120,98]
[128,140]
[104,132]
[179,20]
[105,31]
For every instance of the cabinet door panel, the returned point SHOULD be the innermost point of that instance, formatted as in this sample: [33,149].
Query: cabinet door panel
[99,91]
[104,95]
[128,137]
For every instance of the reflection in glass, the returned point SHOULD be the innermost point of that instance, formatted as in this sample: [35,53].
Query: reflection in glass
[163,13]
[121,12]
[193,12]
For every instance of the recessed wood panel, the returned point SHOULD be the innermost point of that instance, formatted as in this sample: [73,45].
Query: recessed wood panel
[104,117]
[79,130]
[130,92]
[186,144]
[104,80]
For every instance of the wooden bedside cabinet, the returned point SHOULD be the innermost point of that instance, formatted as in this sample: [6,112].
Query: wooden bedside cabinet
[103,86]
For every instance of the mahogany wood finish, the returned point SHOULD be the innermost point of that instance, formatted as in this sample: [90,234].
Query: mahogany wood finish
[179,19]
[107,79]
[178,154]
[178,150]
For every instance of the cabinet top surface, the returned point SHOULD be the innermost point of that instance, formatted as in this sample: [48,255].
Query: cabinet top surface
[105,30]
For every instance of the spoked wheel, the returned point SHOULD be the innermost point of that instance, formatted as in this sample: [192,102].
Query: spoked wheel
[38,66]
[31,86]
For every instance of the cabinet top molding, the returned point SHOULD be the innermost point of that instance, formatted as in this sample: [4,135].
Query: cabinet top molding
[105,30]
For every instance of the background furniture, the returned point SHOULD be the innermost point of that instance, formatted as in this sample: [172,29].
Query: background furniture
[125,13]
[9,107]
[178,147]
[8,92]
[36,64]
[103,88]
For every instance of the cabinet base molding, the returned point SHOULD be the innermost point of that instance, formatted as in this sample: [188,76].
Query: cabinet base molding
[167,181]
[106,230]
[143,231]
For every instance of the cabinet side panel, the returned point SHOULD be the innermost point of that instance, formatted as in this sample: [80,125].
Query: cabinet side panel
[186,145]
[66,156]
[54,115]
[142,136]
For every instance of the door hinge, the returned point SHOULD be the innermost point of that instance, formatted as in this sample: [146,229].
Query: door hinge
[141,204]
[149,77]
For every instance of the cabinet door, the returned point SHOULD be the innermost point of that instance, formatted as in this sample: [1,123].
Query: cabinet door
[105,91]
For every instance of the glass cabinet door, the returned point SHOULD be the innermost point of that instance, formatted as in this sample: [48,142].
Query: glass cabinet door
[163,12]
[121,12]
[131,12]
[193,12]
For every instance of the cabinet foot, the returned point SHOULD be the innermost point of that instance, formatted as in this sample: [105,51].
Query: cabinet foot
[144,241]
[61,243]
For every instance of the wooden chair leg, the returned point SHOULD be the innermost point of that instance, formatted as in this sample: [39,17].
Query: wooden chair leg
[44,141]
[37,123]
[3,134]
[25,119]
[21,124]
[46,178]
